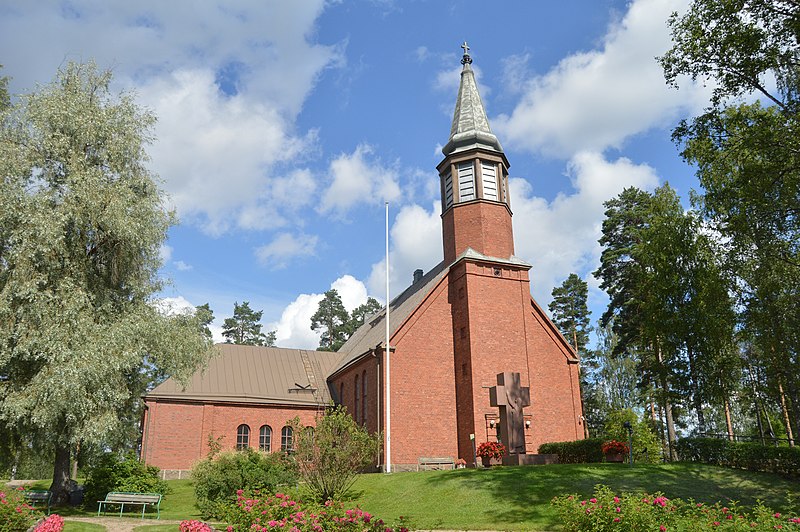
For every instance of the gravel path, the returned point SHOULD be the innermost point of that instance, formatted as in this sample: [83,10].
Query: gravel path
[121,524]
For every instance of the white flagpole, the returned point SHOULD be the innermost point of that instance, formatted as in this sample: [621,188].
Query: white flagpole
[387,352]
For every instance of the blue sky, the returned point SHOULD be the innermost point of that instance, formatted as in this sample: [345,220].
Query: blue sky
[285,125]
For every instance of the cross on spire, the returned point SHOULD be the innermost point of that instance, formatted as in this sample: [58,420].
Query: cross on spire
[466,59]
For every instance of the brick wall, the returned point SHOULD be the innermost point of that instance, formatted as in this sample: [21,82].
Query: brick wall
[484,226]
[176,433]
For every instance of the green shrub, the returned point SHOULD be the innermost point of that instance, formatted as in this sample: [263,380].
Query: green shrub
[606,511]
[112,473]
[256,511]
[330,455]
[575,452]
[741,455]
[15,514]
[218,477]
[646,447]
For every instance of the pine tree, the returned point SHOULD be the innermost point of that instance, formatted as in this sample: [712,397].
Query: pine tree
[243,328]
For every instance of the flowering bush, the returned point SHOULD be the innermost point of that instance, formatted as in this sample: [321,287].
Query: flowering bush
[262,513]
[194,526]
[461,462]
[614,446]
[15,513]
[640,511]
[53,523]
[491,449]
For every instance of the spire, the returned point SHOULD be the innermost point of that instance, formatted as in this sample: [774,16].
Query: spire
[470,127]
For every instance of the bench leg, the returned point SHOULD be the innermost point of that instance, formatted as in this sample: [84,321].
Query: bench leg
[121,508]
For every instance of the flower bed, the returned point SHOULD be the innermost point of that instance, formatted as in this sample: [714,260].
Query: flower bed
[15,513]
[640,511]
[261,513]
[491,449]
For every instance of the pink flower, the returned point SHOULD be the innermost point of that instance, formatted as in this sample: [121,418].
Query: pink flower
[616,519]
[593,500]
[777,515]
[618,509]
[616,500]
[662,528]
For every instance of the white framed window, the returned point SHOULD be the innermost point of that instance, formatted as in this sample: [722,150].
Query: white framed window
[265,438]
[242,437]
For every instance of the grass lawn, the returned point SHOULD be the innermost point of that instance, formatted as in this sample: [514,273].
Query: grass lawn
[518,498]
[507,498]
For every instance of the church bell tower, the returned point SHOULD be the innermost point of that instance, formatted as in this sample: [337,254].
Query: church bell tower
[476,211]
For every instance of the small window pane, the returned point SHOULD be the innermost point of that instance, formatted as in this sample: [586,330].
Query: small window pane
[242,437]
[286,438]
[356,411]
[364,397]
[265,438]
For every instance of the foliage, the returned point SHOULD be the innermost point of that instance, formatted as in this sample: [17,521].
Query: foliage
[741,455]
[614,446]
[748,164]
[575,452]
[244,327]
[570,312]
[15,514]
[332,320]
[640,511]
[204,318]
[81,223]
[361,313]
[112,473]
[259,511]
[330,454]
[217,478]
[646,448]
[491,449]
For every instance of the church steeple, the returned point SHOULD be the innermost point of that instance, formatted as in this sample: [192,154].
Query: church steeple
[476,210]
[470,127]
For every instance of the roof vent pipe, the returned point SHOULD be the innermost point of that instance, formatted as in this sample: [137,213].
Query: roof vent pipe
[417,275]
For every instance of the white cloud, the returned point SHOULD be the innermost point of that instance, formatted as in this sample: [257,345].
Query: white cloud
[182,266]
[597,99]
[215,148]
[293,329]
[172,306]
[165,253]
[226,79]
[415,242]
[358,178]
[560,236]
[285,247]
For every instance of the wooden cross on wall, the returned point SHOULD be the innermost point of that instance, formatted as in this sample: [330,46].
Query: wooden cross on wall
[511,398]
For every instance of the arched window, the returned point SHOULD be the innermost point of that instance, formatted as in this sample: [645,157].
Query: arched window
[341,393]
[364,397]
[265,438]
[242,437]
[356,391]
[286,438]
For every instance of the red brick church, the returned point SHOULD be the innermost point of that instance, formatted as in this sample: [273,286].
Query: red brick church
[451,333]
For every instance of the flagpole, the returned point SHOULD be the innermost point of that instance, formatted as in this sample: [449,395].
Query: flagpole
[387,351]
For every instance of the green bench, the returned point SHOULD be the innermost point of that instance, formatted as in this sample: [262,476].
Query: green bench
[39,496]
[121,498]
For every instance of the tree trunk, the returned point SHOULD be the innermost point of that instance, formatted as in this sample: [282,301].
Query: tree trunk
[696,401]
[757,403]
[728,421]
[74,474]
[671,438]
[15,464]
[61,485]
[785,412]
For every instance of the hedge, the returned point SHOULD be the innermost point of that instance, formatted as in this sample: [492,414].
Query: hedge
[575,452]
[741,455]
